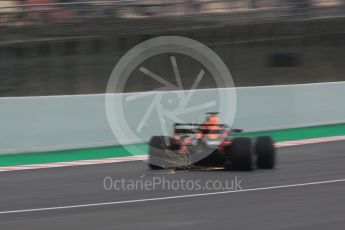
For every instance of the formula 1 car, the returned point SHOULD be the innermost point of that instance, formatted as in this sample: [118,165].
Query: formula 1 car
[210,145]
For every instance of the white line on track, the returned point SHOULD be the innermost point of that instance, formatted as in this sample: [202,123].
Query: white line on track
[169,197]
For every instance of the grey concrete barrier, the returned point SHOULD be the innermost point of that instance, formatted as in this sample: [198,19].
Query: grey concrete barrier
[30,124]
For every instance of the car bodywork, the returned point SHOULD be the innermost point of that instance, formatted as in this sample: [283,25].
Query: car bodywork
[204,145]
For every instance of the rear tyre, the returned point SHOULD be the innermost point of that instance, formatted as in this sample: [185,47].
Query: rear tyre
[157,152]
[265,152]
[242,154]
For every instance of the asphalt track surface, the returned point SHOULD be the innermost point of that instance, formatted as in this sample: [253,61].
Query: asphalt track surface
[314,206]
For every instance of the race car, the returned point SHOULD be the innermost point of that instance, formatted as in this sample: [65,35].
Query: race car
[210,145]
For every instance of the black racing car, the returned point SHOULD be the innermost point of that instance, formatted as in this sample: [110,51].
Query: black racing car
[210,145]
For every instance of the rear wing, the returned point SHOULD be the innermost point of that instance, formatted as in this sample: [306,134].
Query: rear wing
[199,125]
[193,128]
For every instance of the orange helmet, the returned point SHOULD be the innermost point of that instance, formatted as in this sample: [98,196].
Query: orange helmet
[213,120]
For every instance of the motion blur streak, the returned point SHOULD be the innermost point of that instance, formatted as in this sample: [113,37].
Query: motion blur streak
[286,208]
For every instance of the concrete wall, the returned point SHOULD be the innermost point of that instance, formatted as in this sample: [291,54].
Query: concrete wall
[65,122]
